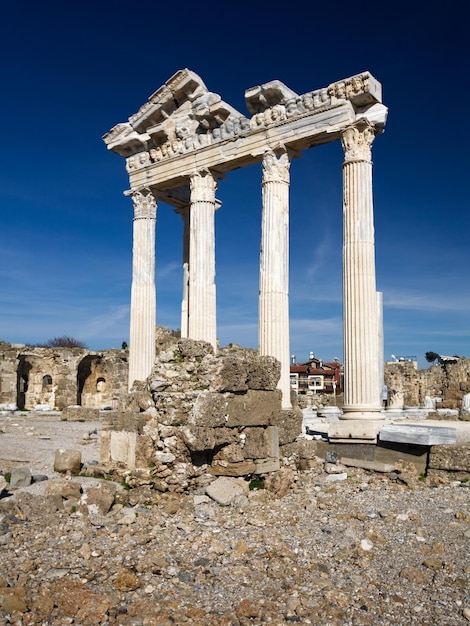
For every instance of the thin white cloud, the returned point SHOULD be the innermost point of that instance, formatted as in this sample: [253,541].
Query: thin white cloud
[431,302]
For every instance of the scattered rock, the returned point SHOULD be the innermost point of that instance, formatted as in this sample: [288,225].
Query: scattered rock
[67,461]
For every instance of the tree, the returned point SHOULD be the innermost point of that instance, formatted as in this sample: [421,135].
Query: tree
[431,357]
[65,342]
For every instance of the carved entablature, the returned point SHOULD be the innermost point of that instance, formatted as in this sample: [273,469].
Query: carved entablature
[183,116]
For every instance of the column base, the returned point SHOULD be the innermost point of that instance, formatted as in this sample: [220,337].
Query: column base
[357,412]
[354,431]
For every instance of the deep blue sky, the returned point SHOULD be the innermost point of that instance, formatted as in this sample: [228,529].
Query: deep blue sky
[72,70]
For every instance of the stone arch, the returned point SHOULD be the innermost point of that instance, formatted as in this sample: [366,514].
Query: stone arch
[92,382]
[46,381]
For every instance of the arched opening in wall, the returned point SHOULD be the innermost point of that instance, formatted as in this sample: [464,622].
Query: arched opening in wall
[46,382]
[83,372]
[93,391]
[22,381]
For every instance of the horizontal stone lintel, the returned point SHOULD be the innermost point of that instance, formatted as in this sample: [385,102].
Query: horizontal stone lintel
[300,133]
[417,434]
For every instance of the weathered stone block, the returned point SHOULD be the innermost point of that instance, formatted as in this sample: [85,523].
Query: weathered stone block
[121,448]
[224,490]
[67,461]
[261,442]
[191,348]
[231,453]
[301,449]
[232,375]
[289,423]
[80,414]
[144,450]
[98,500]
[20,477]
[452,458]
[245,468]
[67,489]
[265,466]
[264,373]
[253,408]
[417,434]
[123,420]
[209,409]
[199,439]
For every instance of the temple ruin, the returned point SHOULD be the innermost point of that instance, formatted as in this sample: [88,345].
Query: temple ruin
[182,140]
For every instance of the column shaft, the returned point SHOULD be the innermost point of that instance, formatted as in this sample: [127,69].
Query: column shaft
[202,293]
[143,293]
[274,267]
[360,319]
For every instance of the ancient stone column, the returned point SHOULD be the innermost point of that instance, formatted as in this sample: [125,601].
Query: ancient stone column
[143,298]
[202,301]
[360,319]
[274,267]
[184,212]
[380,347]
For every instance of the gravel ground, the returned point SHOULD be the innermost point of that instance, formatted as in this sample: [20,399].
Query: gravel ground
[371,549]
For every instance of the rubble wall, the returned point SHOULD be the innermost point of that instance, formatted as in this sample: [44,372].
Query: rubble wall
[60,377]
[200,415]
[449,383]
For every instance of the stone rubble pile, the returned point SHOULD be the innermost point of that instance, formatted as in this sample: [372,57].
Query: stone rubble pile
[370,549]
[198,416]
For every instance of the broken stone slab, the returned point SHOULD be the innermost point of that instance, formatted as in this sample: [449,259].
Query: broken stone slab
[418,434]
[224,490]
[80,414]
[376,466]
[67,461]
[20,477]
[67,489]
[223,468]
[335,478]
[3,485]
[266,466]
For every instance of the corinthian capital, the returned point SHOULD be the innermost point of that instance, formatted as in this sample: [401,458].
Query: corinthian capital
[145,205]
[276,167]
[203,187]
[357,141]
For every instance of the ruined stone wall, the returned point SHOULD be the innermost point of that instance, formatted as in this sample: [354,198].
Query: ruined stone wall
[104,379]
[60,377]
[449,382]
[201,414]
[8,368]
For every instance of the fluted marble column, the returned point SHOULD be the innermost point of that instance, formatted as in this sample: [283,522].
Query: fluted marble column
[360,319]
[274,267]
[202,298]
[143,295]
[185,212]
